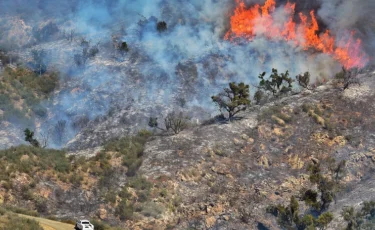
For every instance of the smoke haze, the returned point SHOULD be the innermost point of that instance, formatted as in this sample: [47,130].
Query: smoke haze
[190,60]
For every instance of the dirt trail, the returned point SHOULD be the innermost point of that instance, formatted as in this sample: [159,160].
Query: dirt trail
[50,224]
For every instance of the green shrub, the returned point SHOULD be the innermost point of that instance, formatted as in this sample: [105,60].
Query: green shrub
[139,183]
[26,193]
[306,107]
[218,150]
[75,179]
[234,99]
[131,150]
[152,209]
[110,197]
[41,205]
[124,210]
[38,158]
[277,83]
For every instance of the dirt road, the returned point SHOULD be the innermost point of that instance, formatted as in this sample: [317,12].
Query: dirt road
[50,224]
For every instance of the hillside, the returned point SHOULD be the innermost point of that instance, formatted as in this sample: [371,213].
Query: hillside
[218,175]
[23,98]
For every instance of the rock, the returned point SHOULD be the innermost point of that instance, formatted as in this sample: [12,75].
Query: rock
[314,160]
[102,213]
[264,161]
[236,141]
[244,136]
[250,141]
[25,157]
[210,221]
[295,162]
[278,120]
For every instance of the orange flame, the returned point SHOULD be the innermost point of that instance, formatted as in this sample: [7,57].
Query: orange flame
[259,21]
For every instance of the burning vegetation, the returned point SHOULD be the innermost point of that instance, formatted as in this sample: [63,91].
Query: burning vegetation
[304,32]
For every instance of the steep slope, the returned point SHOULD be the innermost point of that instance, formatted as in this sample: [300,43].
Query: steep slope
[214,176]
[227,174]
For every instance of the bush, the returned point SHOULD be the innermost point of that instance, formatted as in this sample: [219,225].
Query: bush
[124,211]
[277,83]
[41,205]
[259,96]
[110,197]
[75,179]
[26,193]
[99,225]
[131,150]
[139,183]
[161,26]
[152,209]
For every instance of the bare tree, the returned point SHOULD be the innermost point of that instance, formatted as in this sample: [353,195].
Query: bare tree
[59,131]
[71,35]
[348,77]
[38,60]
[176,121]
[304,80]
[44,138]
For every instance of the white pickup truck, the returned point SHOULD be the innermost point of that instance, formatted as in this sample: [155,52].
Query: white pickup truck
[84,225]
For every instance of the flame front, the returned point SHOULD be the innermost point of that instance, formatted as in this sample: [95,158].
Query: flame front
[260,21]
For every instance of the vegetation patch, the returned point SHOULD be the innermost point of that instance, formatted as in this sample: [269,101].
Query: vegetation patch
[21,92]
[12,221]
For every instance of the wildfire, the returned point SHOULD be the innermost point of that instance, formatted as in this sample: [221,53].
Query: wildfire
[260,21]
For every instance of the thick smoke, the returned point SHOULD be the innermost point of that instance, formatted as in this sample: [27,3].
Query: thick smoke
[353,15]
[190,60]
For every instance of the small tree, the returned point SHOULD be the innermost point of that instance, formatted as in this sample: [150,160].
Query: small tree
[123,47]
[234,99]
[161,26]
[277,83]
[29,137]
[327,187]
